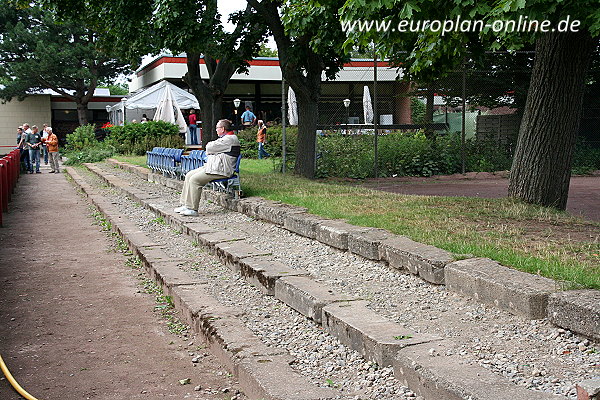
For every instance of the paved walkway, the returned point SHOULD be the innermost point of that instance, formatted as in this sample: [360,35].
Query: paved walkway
[584,191]
[73,324]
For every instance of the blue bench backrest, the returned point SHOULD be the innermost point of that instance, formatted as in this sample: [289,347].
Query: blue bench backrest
[177,155]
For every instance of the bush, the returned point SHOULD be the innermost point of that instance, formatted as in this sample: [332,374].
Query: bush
[401,153]
[83,138]
[585,159]
[417,109]
[90,155]
[273,143]
[136,139]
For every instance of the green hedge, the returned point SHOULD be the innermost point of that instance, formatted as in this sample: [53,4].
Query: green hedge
[585,159]
[412,154]
[136,139]
[273,143]
[83,138]
[399,154]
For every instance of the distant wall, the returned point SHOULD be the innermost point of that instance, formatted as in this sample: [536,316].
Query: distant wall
[34,110]
[504,129]
[500,129]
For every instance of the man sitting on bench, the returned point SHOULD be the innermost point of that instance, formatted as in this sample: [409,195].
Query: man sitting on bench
[222,156]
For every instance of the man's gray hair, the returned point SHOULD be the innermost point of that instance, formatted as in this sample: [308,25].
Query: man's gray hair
[226,124]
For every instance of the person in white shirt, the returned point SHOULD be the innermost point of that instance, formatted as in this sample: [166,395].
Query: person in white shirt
[44,148]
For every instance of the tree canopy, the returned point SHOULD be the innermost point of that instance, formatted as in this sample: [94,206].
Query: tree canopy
[40,50]
[149,26]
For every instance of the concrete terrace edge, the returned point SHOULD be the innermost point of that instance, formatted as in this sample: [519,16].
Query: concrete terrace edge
[350,321]
[535,300]
[259,369]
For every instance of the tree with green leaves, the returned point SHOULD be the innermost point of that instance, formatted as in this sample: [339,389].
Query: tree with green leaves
[40,50]
[148,26]
[541,167]
[309,40]
[266,51]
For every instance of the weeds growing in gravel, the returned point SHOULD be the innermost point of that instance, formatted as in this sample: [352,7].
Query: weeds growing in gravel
[164,305]
[134,262]
[159,220]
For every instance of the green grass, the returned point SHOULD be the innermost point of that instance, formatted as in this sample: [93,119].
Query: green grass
[529,238]
[135,160]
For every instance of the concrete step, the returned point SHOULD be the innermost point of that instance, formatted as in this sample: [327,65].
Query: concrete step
[359,328]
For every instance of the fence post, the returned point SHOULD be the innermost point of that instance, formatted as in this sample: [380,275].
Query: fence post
[375,116]
[17,165]
[463,133]
[1,190]
[4,179]
[283,117]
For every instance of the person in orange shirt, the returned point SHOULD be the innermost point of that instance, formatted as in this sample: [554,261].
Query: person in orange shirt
[261,137]
[52,143]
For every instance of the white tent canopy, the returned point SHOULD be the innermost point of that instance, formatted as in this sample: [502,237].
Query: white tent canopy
[168,110]
[146,102]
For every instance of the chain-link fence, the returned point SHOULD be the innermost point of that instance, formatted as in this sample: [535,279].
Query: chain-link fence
[477,109]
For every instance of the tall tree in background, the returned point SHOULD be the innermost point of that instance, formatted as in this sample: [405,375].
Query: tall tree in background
[39,50]
[542,163]
[309,40]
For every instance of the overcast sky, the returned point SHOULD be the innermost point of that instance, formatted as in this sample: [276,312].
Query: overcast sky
[226,7]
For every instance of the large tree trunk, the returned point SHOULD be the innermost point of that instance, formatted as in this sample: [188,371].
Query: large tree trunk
[308,114]
[304,77]
[541,168]
[209,93]
[82,113]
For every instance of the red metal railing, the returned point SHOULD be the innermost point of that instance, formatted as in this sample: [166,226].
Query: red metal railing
[9,174]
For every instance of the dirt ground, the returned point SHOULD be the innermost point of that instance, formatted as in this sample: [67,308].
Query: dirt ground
[584,191]
[73,322]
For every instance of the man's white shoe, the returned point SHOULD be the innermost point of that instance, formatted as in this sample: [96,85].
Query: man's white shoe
[180,209]
[190,213]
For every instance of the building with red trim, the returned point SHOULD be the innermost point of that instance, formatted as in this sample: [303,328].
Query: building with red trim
[261,88]
[49,107]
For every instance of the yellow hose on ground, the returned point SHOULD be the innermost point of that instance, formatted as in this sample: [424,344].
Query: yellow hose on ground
[14,383]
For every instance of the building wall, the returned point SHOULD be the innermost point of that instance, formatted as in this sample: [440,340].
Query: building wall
[34,110]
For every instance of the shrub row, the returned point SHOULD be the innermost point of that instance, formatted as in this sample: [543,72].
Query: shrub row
[133,139]
[412,154]
[136,139]
[344,156]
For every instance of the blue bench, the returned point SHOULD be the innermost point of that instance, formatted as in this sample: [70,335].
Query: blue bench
[165,161]
[152,157]
[192,161]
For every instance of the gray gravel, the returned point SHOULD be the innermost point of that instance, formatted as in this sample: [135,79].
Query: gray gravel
[534,354]
[319,357]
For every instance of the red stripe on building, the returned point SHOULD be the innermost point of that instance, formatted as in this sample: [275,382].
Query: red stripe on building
[92,100]
[258,63]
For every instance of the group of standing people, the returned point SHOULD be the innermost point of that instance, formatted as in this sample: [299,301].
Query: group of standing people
[31,142]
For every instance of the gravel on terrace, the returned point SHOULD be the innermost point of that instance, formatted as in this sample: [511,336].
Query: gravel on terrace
[318,356]
[531,353]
